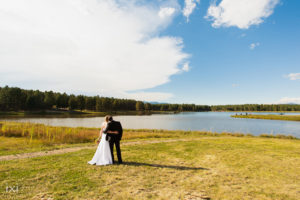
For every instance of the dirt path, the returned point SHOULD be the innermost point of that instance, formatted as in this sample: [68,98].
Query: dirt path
[73,149]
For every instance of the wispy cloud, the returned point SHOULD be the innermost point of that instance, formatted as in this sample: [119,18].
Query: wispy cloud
[243,35]
[149,96]
[240,13]
[254,45]
[189,6]
[93,46]
[289,100]
[166,12]
[186,67]
[235,85]
[294,76]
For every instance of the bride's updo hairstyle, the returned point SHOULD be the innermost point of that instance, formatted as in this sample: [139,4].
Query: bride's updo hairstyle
[108,118]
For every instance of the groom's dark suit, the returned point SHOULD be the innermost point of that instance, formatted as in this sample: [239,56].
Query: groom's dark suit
[114,139]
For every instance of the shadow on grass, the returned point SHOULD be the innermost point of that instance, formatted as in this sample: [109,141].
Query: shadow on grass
[164,166]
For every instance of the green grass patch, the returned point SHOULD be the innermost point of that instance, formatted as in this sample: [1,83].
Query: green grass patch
[270,117]
[209,168]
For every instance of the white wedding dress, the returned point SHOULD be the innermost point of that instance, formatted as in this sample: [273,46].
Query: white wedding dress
[102,155]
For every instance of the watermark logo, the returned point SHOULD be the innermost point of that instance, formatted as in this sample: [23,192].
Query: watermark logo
[12,189]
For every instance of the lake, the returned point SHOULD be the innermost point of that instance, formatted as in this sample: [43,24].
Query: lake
[203,121]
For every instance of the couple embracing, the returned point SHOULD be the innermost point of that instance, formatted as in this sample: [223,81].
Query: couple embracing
[110,136]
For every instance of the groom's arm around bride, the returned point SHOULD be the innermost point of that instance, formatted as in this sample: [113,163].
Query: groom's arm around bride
[113,130]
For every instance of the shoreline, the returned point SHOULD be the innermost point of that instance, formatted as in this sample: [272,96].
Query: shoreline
[74,113]
[295,118]
[21,126]
[87,113]
[20,137]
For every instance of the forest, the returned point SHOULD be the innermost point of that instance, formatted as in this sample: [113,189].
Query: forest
[17,99]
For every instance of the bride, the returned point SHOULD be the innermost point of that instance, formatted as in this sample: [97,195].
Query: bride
[103,154]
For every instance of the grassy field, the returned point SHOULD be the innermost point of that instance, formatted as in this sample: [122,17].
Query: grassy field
[203,168]
[17,137]
[271,117]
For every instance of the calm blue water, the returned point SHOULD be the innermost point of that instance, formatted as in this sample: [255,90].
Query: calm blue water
[208,121]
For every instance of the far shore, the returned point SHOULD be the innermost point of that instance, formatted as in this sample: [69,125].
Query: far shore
[270,117]
[75,113]
[86,113]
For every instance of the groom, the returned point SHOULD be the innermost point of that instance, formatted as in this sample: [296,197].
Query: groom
[114,133]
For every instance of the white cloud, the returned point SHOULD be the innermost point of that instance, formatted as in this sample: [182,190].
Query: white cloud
[240,13]
[235,85]
[254,45]
[166,12]
[186,67]
[149,96]
[289,100]
[294,76]
[88,46]
[189,6]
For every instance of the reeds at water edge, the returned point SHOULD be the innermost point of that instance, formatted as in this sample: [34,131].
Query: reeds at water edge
[49,134]
[68,135]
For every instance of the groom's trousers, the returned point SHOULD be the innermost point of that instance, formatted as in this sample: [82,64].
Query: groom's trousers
[115,142]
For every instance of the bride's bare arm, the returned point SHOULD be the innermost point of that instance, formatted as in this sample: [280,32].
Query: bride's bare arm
[100,135]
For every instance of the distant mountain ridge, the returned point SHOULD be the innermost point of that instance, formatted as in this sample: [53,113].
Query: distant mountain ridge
[155,102]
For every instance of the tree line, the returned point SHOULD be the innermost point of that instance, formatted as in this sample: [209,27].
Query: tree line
[17,99]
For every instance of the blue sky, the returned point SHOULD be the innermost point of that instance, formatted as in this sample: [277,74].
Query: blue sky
[187,51]
[224,70]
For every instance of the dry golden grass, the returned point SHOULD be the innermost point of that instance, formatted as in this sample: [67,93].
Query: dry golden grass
[209,168]
[48,134]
